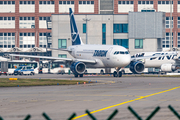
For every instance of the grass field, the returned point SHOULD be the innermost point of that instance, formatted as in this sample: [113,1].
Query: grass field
[5,82]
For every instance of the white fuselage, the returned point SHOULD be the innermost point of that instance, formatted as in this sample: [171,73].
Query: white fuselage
[103,54]
[157,62]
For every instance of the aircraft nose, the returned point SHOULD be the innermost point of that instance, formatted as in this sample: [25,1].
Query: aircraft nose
[126,60]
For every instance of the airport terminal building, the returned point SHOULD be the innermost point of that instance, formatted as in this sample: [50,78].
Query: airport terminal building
[28,27]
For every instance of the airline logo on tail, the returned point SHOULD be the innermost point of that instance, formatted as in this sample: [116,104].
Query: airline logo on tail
[76,40]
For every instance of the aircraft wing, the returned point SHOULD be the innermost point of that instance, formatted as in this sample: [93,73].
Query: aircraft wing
[55,58]
[59,49]
[154,56]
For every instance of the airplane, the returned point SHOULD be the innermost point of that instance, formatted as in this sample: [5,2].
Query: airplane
[168,62]
[94,56]
[91,56]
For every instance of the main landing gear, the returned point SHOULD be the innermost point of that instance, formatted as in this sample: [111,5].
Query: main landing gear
[117,73]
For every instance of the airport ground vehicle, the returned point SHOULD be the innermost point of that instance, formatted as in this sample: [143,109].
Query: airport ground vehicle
[8,66]
[54,67]
[14,64]
[3,73]
[24,70]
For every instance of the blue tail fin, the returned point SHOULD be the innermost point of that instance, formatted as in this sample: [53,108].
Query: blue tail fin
[76,39]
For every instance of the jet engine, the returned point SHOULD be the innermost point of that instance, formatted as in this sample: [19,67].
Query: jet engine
[168,67]
[136,67]
[78,68]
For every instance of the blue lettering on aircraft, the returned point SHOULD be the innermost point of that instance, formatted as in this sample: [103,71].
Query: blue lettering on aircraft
[162,57]
[100,53]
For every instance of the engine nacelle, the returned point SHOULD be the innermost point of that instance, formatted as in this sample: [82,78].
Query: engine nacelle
[78,68]
[168,67]
[136,67]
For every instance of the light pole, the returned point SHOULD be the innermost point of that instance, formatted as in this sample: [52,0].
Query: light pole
[171,25]
[86,19]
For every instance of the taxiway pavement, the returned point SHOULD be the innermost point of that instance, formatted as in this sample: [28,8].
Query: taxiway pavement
[143,94]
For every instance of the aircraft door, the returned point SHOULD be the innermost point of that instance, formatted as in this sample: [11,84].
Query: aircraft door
[73,53]
[109,53]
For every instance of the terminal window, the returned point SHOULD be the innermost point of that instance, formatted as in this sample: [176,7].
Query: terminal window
[86,2]
[26,40]
[138,43]
[178,37]
[168,22]
[46,2]
[178,22]
[164,2]
[62,55]
[126,2]
[103,34]
[7,2]
[43,39]
[120,28]
[62,43]
[27,2]
[7,18]
[7,40]
[66,2]
[84,27]
[122,42]
[166,40]
[145,2]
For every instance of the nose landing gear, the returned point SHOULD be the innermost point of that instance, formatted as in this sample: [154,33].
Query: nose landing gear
[117,73]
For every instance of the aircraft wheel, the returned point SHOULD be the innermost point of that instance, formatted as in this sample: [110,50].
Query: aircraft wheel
[75,75]
[115,74]
[81,75]
[120,74]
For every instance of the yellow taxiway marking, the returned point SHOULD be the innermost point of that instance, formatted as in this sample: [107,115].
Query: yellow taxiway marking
[129,101]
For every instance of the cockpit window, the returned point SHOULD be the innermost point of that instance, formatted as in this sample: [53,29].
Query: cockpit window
[114,52]
[117,52]
[126,52]
[121,52]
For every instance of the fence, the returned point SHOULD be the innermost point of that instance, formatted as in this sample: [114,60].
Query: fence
[136,115]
